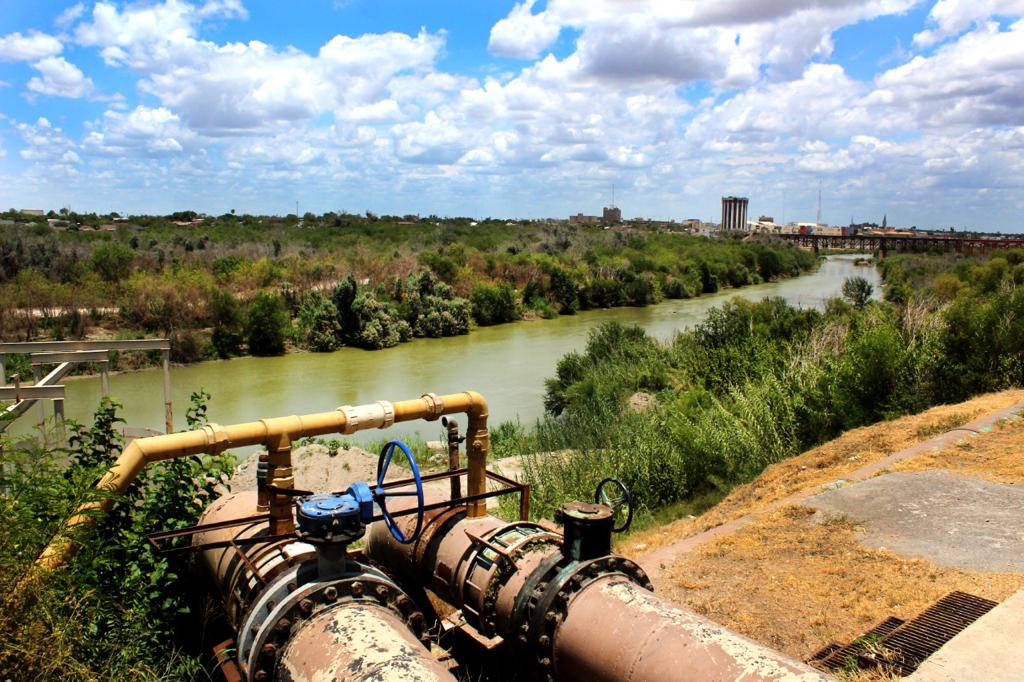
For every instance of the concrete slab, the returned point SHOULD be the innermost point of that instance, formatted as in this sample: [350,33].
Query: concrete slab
[950,519]
[988,650]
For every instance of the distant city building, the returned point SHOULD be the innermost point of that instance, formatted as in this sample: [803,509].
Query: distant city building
[580,219]
[612,214]
[766,219]
[734,213]
[33,212]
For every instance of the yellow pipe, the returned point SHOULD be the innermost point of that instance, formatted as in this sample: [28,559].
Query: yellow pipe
[278,433]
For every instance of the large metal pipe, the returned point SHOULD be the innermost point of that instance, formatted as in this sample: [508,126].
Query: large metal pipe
[360,642]
[574,620]
[277,434]
[616,631]
[301,617]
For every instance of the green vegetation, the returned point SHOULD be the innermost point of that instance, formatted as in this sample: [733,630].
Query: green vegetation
[759,382]
[365,281]
[118,609]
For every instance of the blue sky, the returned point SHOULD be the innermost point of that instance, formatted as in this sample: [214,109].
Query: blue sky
[526,109]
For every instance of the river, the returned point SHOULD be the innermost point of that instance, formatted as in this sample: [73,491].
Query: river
[506,363]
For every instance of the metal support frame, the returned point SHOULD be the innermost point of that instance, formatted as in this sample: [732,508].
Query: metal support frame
[67,353]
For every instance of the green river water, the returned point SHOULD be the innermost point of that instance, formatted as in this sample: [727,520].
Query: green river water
[506,363]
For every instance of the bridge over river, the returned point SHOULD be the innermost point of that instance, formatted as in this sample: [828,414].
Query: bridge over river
[888,242]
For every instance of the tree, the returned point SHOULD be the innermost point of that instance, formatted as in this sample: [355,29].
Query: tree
[228,325]
[266,324]
[319,320]
[494,304]
[112,261]
[857,291]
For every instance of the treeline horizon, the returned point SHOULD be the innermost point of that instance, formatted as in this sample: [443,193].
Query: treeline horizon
[234,285]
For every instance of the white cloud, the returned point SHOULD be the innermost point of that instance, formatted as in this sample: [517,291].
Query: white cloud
[142,131]
[673,102]
[978,80]
[226,89]
[522,34]
[727,42]
[47,146]
[60,78]
[70,15]
[16,47]
[951,17]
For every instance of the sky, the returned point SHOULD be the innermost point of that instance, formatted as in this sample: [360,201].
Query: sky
[897,108]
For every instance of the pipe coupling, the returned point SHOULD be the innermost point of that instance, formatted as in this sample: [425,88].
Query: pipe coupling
[297,596]
[435,406]
[380,415]
[546,606]
[216,438]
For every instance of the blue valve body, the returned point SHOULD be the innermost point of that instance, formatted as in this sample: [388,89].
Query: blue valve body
[332,517]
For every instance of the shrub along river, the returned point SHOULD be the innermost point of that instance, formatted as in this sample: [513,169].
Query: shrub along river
[506,363]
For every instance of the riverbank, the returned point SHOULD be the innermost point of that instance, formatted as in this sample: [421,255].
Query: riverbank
[143,361]
[252,286]
[507,363]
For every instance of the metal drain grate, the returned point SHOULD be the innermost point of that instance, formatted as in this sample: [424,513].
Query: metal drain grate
[902,646]
[836,656]
[918,639]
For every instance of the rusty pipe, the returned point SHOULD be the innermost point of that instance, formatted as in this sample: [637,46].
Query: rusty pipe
[616,631]
[599,623]
[300,617]
[360,642]
[276,433]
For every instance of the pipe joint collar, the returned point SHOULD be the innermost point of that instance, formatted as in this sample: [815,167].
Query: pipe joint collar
[435,406]
[379,415]
[216,438]
[389,413]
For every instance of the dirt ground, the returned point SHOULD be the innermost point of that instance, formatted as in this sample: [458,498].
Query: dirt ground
[319,468]
[797,581]
[824,464]
[796,585]
[995,457]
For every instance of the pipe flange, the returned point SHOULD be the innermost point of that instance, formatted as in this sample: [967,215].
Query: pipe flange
[497,571]
[529,596]
[552,603]
[314,598]
[435,406]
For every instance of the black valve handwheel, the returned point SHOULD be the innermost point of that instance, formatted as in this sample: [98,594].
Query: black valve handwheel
[613,493]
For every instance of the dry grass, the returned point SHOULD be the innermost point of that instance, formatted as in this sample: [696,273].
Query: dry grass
[994,456]
[824,464]
[796,585]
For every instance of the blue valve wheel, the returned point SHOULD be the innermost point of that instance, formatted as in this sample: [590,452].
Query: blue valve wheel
[381,495]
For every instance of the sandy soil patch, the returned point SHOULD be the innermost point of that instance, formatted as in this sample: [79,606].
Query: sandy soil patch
[996,456]
[796,585]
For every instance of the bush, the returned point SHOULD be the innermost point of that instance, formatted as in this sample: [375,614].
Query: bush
[266,324]
[228,324]
[112,261]
[378,326]
[319,321]
[117,610]
[857,291]
[494,304]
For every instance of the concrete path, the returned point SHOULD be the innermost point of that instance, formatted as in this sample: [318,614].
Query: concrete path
[949,519]
[990,649]
[657,561]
